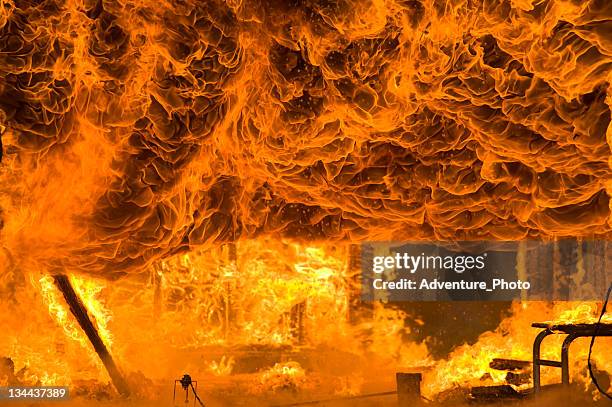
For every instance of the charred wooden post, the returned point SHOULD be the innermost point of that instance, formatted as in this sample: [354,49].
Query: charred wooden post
[408,389]
[593,275]
[298,330]
[80,313]
[358,256]
[594,255]
[539,268]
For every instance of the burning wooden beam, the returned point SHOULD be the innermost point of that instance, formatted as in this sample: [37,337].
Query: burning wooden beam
[518,378]
[509,364]
[80,313]
[518,372]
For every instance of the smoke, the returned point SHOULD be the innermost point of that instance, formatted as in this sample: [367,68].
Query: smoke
[137,129]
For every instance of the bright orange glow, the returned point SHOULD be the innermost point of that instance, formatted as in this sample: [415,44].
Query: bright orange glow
[199,170]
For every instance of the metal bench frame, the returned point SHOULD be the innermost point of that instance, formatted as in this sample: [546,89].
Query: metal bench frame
[573,332]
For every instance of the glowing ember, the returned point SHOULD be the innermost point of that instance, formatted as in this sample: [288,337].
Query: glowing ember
[288,376]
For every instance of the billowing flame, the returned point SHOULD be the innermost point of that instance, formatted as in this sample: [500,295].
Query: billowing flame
[143,139]
[137,129]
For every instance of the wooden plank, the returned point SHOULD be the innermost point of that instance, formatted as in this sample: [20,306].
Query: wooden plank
[80,313]
[518,378]
[509,364]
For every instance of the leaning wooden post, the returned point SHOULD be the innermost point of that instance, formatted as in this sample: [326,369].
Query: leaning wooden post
[80,313]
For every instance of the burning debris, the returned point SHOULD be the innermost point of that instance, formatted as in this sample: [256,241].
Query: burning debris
[571,333]
[518,371]
[202,329]
[289,376]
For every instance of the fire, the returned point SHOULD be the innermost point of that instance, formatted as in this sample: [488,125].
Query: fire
[60,355]
[283,376]
[285,298]
[223,367]
[200,168]
[88,290]
[514,339]
[59,311]
[581,314]
[382,120]
[253,298]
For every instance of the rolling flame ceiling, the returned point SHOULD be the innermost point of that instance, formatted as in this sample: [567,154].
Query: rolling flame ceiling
[134,129]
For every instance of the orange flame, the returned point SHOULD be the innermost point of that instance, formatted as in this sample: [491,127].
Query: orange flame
[139,129]
[140,136]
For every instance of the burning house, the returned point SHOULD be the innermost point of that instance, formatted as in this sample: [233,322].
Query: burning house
[193,193]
